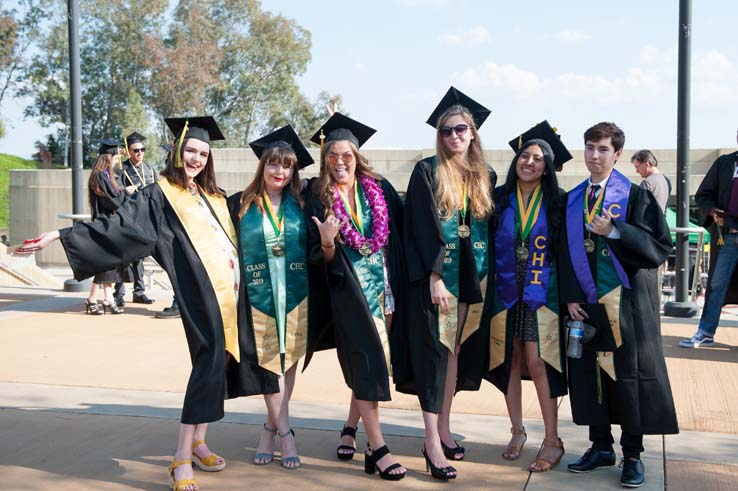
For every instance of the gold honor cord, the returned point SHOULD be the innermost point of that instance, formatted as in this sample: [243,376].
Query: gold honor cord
[278,222]
[590,214]
[355,216]
[180,141]
[528,215]
[463,230]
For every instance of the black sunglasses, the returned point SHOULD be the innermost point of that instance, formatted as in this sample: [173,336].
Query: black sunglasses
[459,129]
[139,150]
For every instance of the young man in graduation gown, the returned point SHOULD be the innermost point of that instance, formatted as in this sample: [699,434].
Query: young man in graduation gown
[615,237]
[717,199]
[135,174]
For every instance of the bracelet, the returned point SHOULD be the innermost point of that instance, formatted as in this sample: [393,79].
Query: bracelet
[331,245]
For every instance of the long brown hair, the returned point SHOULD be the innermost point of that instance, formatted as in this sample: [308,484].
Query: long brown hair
[470,168]
[326,184]
[104,162]
[205,179]
[255,190]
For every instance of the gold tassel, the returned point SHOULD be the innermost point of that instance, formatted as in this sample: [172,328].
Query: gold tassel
[322,140]
[520,142]
[720,241]
[178,163]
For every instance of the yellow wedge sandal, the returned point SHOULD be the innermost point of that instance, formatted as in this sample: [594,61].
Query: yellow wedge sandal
[209,463]
[180,484]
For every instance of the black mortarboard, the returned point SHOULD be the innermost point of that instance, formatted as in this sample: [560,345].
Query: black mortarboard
[167,147]
[135,138]
[203,128]
[108,146]
[544,131]
[455,97]
[283,137]
[341,127]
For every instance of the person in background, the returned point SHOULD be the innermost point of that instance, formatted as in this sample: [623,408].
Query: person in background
[646,166]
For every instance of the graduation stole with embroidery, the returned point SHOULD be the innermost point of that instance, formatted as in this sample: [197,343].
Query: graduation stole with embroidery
[209,250]
[448,327]
[268,336]
[611,277]
[540,291]
[370,273]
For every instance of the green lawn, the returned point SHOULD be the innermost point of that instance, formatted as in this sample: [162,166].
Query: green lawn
[8,162]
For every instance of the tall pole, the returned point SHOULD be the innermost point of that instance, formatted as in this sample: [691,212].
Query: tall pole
[75,104]
[680,307]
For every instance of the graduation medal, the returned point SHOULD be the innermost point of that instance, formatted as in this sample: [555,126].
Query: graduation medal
[525,217]
[589,244]
[464,231]
[277,224]
[365,250]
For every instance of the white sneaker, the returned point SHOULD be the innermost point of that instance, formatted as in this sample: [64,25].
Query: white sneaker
[699,340]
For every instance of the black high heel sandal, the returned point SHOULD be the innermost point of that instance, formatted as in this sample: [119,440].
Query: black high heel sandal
[347,431]
[114,309]
[370,464]
[450,452]
[92,308]
[443,473]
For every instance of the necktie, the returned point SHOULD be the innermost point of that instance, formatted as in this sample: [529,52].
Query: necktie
[592,197]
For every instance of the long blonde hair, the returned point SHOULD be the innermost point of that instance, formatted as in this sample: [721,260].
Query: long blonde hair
[326,185]
[452,170]
[255,190]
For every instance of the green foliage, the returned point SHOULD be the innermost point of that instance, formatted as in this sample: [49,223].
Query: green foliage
[8,162]
[18,30]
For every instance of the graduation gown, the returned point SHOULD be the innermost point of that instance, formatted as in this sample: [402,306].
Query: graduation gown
[342,318]
[147,224]
[714,192]
[640,400]
[500,376]
[106,204]
[423,368]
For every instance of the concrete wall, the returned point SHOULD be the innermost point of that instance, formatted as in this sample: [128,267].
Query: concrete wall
[37,197]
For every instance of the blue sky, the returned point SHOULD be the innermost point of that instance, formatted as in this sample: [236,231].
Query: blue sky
[573,63]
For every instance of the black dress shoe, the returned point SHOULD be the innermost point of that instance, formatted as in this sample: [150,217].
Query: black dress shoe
[142,299]
[120,302]
[167,313]
[634,474]
[591,460]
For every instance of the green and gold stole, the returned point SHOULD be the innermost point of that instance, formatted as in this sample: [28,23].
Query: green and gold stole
[259,286]
[209,250]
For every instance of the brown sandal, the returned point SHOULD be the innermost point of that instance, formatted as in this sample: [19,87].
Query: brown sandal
[544,465]
[512,453]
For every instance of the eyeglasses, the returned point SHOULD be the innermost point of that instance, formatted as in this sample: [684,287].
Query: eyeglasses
[138,150]
[459,129]
[346,158]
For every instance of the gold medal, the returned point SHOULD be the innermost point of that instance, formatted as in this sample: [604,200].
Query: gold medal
[521,253]
[278,250]
[464,231]
[365,250]
[589,246]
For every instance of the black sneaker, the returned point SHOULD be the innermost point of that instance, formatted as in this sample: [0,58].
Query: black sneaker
[142,299]
[167,313]
[634,474]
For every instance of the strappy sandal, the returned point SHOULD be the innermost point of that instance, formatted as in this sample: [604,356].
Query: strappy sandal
[264,458]
[209,463]
[349,450]
[290,463]
[180,484]
[511,452]
[370,464]
[92,308]
[451,452]
[544,465]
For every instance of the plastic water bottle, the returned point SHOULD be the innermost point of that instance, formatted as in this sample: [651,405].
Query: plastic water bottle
[576,332]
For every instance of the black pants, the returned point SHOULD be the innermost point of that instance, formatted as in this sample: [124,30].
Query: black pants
[138,283]
[601,438]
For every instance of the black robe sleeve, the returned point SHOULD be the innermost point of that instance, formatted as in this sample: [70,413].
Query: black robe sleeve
[706,197]
[111,199]
[112,242]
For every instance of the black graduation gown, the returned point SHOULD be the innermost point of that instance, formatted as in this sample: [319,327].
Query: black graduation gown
[500,376]
[714,192]
[144,225]
[423,371]
[345,321]
[105,204]
[640,401]
[131,175]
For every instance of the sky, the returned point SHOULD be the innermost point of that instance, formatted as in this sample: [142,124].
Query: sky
[574,63]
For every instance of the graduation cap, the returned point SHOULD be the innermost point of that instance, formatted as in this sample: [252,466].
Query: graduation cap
[284,137]
[455,97]
[134,137]
[544,131]
[108,146]
[203,128]
[341,127]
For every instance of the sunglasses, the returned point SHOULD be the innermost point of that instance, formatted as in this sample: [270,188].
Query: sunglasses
[138,150]
[346,158]
[459,129]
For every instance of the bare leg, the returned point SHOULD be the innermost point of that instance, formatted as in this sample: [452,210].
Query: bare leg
[537,370]
[184,451]
[279,411]
[108,293]
[433,441]
[369,411]
[352,421]
[513,400]
[444,419]
[92,297]
[202,450]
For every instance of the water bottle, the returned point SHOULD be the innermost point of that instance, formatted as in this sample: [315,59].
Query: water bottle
[576,332]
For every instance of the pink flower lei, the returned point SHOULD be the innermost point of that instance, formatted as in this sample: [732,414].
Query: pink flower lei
[380,217]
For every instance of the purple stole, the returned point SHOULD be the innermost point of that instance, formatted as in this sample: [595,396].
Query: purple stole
[616,203]
[537,272]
